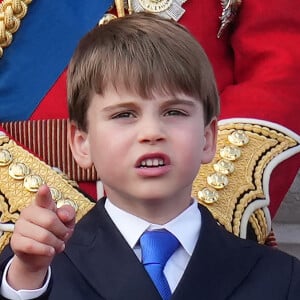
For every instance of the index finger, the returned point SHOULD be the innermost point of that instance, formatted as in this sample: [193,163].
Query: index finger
[44,198]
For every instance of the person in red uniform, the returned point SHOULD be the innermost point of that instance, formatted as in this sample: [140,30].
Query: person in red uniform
[257,63]
[256,60]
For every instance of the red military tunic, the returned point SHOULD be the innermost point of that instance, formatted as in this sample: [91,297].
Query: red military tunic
[257,65]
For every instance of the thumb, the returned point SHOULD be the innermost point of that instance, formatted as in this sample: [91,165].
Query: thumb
[44,198]
[67,215]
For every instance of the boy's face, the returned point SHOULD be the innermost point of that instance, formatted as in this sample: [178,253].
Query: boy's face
[146,152]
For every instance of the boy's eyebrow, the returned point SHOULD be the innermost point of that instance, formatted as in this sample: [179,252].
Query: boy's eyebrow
[119,105]
[177,101]
[133,105]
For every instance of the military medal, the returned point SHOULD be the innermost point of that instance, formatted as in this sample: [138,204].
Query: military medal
[155,6]
[170,9]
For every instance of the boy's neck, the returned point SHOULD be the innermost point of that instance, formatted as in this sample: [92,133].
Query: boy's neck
[154,212]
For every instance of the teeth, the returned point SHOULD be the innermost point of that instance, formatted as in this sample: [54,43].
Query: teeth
[155,162]
[149,163]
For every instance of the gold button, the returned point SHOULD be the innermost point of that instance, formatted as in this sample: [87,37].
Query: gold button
[230,152]
[5,158]
[224,166]
[18,170]
[208,195]
[217,180]
[3,138]
[62,202]
[238,138]
[32,182]
[56,194]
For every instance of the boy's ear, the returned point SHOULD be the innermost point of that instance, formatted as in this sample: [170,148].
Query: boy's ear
[210,145]
[79,144]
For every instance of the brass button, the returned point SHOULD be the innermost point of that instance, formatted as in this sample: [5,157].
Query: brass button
[230,152]
[238,138]
[5,158]
[18,170]
[62,202]
[224,166]
[56,194]
[32,182]
[208,195]
[217,180]
[3,138]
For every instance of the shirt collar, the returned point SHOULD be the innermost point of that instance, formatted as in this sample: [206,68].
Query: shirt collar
[186,226]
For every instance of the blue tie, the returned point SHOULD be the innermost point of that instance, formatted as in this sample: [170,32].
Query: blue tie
[157,247]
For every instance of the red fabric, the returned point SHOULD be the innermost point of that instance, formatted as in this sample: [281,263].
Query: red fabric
[13,138]
[257,61]
[257,66]
[89,188]
[54,104]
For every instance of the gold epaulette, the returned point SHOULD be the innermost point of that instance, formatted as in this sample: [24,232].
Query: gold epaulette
[48,140]
[21,174]
[234,187]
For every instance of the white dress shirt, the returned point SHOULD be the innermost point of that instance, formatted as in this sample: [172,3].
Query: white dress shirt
[8,292]
[185,227]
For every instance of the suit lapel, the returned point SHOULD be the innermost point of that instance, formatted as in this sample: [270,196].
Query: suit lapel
[109,264]
[220,262]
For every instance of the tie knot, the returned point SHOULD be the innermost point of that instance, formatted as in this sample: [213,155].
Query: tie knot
[157,246]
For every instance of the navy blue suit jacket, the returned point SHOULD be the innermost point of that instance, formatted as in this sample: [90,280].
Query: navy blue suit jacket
[99,264]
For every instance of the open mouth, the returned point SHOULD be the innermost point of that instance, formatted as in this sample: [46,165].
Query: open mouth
[152,163]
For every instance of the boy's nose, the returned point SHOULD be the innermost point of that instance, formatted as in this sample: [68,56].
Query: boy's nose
[151,132]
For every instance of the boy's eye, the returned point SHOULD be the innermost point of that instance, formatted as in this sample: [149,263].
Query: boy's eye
[175,112]
[125,114]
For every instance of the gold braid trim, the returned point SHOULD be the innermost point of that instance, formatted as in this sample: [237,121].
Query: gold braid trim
[21,174]
[11,13]
[4,240]
[259,225]
[243,185]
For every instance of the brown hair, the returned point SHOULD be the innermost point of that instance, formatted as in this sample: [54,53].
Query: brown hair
[144,53]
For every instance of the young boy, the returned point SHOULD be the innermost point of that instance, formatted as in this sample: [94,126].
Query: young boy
[143,109]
